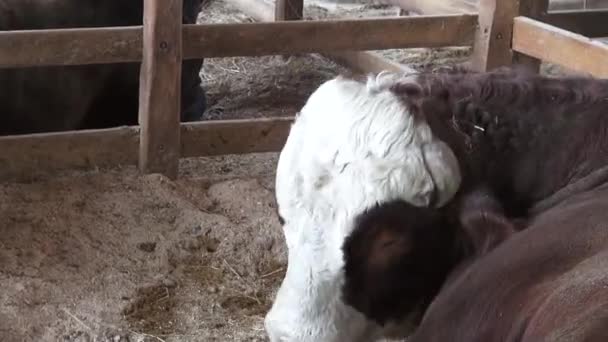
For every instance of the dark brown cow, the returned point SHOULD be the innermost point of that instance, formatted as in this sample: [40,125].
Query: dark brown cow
[547,282]
[535,145]
[42,99]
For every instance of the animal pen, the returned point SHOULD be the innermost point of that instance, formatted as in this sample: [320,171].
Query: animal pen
[500,32]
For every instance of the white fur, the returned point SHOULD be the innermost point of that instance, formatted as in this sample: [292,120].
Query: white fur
[353,145]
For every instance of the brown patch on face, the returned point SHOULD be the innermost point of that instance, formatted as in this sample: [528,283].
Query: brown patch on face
[388,246]
[396,259]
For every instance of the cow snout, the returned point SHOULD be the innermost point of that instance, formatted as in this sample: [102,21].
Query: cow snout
[277,337]
[274,331]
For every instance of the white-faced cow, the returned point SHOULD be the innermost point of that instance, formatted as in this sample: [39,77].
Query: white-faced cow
[352,146]
[390,187]
[57,98]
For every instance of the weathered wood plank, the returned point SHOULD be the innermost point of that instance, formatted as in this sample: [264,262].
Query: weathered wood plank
[252,39]
[25,156]
[212,138]
[366,62]
[555,45]
[89,46]
[492,46]
[288,10]
[533,9]
[70,46]
[160,87]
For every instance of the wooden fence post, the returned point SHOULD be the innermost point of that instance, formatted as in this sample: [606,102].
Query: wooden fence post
[288,10]
[493,37]
[160,87]
[492,45]
[534,9]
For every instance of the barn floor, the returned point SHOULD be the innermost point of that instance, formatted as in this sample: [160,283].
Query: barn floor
[117,256]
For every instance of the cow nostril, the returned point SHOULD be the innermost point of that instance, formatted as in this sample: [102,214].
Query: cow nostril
[278,337]
[274,334]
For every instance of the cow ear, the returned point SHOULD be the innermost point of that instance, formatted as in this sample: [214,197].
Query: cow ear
[483,220]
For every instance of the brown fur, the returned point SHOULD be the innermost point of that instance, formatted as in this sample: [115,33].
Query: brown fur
[525,135]
[388,243]
[532,151]
[547,282]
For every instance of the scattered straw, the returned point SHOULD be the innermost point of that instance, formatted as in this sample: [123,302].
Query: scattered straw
[233,270]
[247,285]
[270,274]
[147,335]
[78,320]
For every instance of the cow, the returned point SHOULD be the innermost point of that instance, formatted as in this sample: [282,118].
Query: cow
[547,282]
[60,98]
[375,147]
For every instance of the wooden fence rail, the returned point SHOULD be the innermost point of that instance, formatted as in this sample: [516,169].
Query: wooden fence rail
[22,156]
[124,44]
[504,31]
[559,46]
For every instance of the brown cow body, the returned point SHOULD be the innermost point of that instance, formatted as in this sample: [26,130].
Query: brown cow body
[548,282]
[538,147]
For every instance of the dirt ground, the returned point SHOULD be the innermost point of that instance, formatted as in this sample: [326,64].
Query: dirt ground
[116,256]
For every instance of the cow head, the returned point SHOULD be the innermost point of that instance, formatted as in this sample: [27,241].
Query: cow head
[355,150]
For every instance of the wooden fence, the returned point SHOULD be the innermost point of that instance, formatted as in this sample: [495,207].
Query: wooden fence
[501,33]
